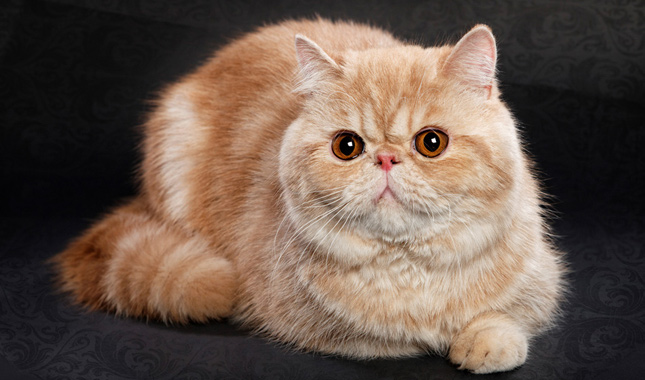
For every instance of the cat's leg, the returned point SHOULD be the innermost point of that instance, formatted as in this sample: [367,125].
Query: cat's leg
[134,264]
[491,342]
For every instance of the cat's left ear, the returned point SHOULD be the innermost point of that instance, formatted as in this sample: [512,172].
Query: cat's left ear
[316,67]
[473,60]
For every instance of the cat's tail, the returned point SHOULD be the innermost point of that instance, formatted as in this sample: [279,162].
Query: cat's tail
[133,264]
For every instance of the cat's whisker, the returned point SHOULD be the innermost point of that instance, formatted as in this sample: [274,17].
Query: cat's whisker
[320,202]
[296,234]
[323,227]
[335,211]
[351,219]
[333,196]
[338,231]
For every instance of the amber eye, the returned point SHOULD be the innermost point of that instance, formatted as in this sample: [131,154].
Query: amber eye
[347,145]
[431,142]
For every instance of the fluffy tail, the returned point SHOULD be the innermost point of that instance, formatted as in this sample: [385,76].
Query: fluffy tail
[133,264]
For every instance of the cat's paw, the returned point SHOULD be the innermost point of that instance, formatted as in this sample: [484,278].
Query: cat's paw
[489,344]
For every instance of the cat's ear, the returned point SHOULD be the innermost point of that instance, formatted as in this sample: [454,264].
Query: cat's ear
[316,67]
[473,60]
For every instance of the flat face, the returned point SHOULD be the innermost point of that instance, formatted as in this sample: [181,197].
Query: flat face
[431,151]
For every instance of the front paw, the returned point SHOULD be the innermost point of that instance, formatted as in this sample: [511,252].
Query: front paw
[490,343]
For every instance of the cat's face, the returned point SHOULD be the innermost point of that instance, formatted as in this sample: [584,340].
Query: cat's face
[392,144]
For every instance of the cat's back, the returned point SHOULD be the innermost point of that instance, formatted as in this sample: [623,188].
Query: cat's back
[213,132]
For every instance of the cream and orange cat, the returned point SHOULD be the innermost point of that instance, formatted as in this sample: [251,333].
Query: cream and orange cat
[347,193]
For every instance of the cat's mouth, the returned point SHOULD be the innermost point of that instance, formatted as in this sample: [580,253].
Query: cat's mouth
[386,193]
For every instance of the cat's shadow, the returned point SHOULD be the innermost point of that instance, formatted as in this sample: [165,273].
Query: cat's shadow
[211,328]
[309,361]
[265,351]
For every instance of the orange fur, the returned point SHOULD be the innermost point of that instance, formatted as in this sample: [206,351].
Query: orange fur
[246,213]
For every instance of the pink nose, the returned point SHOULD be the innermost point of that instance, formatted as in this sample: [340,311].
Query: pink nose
[386,160]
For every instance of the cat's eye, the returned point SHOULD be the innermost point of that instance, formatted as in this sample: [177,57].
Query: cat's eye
[431,142]
[347,145]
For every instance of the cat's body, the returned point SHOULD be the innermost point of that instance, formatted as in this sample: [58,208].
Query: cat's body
[248,211]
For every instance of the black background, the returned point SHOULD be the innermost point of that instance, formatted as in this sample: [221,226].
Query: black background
[76,77]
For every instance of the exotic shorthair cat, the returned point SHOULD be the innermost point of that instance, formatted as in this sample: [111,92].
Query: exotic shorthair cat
[348,193]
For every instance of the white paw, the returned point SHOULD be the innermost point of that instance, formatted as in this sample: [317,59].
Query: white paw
[489,346]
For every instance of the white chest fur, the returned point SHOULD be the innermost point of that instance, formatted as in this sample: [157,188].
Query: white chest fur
[394,296]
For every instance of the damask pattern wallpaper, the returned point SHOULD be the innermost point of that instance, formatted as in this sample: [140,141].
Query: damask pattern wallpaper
[77,76]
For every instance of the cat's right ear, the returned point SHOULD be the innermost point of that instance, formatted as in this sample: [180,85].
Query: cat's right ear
[473,60]
[316,67]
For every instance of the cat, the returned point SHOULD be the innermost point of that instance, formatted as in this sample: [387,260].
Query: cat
[338,190]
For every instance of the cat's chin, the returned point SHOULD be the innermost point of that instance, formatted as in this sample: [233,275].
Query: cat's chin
[391,221]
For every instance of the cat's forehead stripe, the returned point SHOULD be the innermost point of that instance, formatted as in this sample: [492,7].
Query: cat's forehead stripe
[355,119]
[399,129]
[369,126]
[392,99]
[393,122]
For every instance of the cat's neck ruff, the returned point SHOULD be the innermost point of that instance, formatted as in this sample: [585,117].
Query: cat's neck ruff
[442,243]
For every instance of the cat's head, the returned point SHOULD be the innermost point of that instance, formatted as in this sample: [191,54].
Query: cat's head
[398,143]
